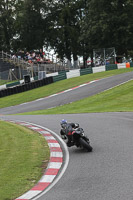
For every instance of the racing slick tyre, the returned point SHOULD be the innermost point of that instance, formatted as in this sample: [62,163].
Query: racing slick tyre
[85,145]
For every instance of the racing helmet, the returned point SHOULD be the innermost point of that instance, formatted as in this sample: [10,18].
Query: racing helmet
[63,122]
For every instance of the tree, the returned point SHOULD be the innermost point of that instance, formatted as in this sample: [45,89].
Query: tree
[30,25]
[72,27]
[6,23]
[64,28]
[108,24]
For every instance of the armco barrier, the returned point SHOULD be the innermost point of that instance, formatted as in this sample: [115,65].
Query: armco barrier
[52,74]
[62,72]
[98,69]
[131,64]
[73,73]
[59,77]
[5,91]
[121,66]
[36,78]
[12,84]
[85,71]
[111,67]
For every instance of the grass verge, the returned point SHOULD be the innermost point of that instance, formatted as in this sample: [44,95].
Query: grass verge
[55,88]
[118,99]
[22,156]
[2,82]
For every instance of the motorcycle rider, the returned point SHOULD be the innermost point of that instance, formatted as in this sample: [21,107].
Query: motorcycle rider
[66,131]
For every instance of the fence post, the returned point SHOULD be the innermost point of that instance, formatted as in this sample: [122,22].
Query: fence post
[2,54]
[32,69]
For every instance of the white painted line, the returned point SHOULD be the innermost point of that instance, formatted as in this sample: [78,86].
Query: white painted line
[118,85]
[30,194]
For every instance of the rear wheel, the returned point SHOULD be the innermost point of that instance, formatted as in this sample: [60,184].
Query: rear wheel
[85,144]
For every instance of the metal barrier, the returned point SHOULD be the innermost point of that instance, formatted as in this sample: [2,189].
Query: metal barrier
[85,71]
[61,76]
[111,67]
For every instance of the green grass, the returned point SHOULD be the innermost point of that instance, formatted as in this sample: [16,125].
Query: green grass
[118,99]
[22,152]
[2,82]
[55,88]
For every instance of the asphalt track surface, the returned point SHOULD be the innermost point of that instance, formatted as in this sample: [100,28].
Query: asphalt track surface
[106,173]
[70,96]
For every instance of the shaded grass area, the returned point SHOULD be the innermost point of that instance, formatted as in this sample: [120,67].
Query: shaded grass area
[22,152]
[2,82]
[55,88]
[118,99]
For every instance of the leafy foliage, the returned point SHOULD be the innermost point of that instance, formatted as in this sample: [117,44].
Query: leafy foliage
[72,27]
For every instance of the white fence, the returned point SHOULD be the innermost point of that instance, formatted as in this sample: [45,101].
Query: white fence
[73,73]
[98,69]
[121,65]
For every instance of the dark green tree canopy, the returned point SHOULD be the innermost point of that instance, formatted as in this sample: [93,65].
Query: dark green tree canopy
[71,27]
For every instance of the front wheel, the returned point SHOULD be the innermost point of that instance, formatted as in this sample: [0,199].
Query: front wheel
[85,144]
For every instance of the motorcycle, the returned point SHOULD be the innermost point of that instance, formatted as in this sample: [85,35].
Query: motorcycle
[79,139]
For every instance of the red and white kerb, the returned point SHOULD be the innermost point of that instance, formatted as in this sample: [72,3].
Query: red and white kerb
[54,165]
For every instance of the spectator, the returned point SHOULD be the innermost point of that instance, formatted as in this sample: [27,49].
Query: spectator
[14,56]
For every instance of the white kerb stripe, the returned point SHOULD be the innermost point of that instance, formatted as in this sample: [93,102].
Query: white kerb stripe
[47,178]
[45,132]
[49,138]
[68,90]
[34,128]
[39,99]
[53,95]
[82,85]
[53,145]
[30,194]
[56,154]
[55,165]
[24,124]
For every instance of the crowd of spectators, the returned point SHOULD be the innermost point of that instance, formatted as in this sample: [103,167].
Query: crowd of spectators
[32,57]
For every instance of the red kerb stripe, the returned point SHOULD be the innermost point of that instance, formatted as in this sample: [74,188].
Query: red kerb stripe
[52,171]
[40,129]
[40,186]
[52,141]
[46,134]
[75,87]
[56,159]
[55,149]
